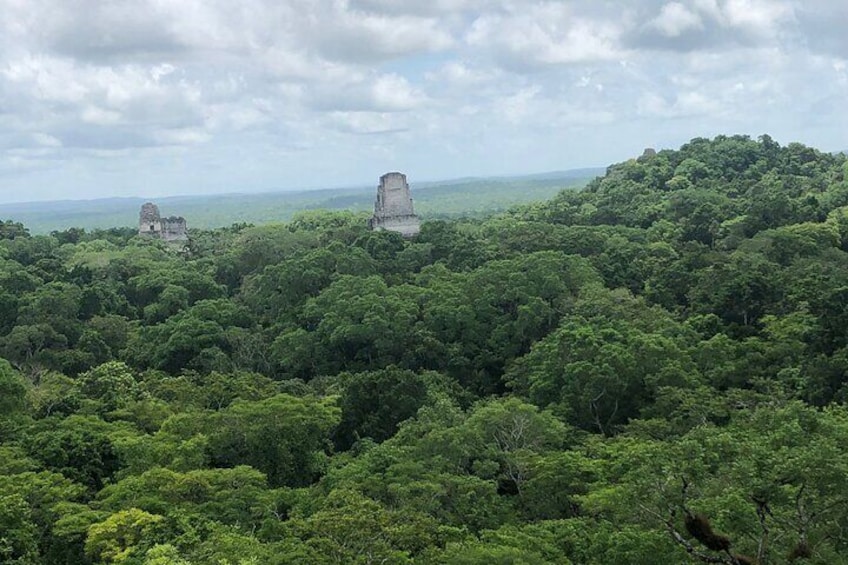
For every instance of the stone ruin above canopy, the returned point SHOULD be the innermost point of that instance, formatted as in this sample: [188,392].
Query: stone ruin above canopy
[393,210]
[152,224]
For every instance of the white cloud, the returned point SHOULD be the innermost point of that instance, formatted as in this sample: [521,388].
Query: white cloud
[675,18]
[162,70]
[181,136]
[367,122]
[684,104]
[270,91]
[45,140]
[363,37]
[431,7]
[372,92]
[100,116]
[546,33]
[698,25]
[516,107]
[393,92]
[761,17]
[458,73]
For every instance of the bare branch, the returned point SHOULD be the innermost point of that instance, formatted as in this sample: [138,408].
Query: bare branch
[762,546]
[686,544]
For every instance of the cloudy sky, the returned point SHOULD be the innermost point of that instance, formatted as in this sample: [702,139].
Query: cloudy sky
[165,97]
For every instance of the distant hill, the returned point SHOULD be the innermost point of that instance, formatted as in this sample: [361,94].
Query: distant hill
[442,199]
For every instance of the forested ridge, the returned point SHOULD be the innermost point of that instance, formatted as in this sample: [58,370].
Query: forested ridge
[443,200]
[649,370]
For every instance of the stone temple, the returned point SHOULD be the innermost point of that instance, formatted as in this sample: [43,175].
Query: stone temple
[393,208]
[151,224]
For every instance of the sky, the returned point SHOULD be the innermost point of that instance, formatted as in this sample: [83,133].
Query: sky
[169,97]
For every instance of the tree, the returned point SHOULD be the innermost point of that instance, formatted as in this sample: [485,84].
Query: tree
[512,434]
[13,390]
[32,504]
[54,393]
[357,324]
[122,535]
[235,496]
[112,385]
[11,230]
[353,529]
[599,372]
[768,483]
[19,542]
[283,436]
[374,403]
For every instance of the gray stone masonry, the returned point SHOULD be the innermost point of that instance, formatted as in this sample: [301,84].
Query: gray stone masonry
[151,224]
[393,209]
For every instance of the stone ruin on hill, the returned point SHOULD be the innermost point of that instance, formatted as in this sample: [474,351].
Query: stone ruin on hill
[152,224]
[393,208]
[649,153]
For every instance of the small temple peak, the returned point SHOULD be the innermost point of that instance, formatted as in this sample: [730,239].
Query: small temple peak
[152,224]
[393,209]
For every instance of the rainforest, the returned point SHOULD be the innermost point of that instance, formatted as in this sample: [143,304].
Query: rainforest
[651,369]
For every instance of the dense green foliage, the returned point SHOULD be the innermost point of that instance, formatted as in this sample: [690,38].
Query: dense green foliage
[650,370]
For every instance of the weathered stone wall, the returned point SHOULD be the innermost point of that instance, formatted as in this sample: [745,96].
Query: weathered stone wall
[151,224]
[174,229]
[393,208]
[149,220]
[393,196]
[407,226]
